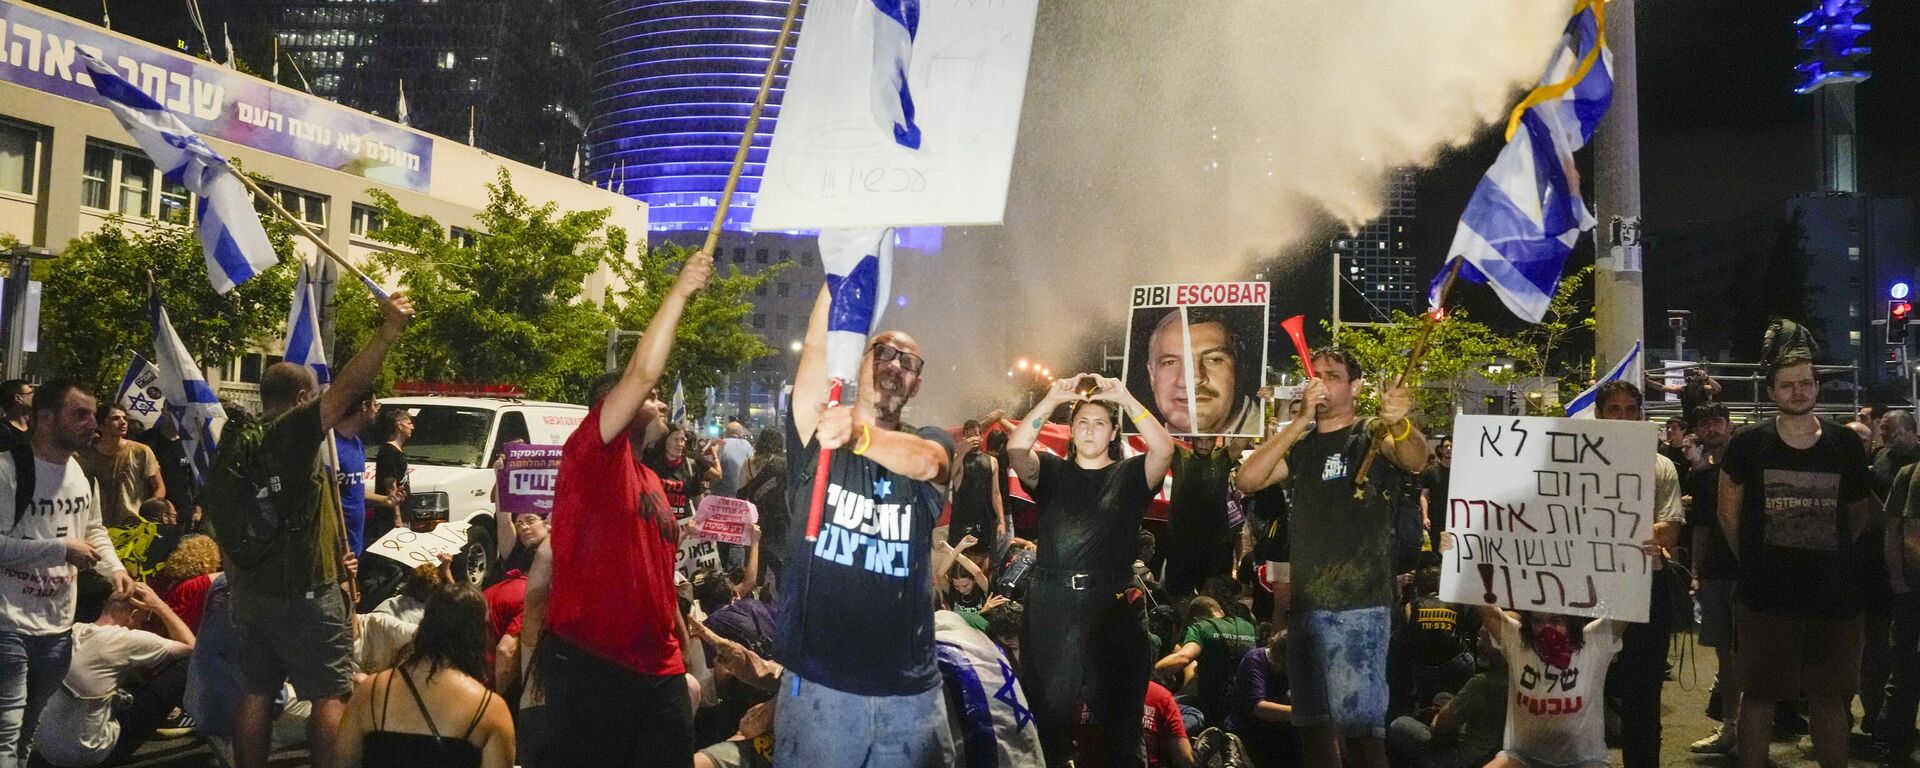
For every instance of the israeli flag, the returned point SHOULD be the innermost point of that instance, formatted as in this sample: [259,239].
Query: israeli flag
[859,265]
[139,392]
[895,24]
[236,246]
[1586,405]
[677,410]
[1527,213]
[190,401]
[303,330]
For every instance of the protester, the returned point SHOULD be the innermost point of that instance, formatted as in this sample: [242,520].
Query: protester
[1262,710]
[1643,646]
[614,681]
[176,474]
[17,426]
[1435,483]
[1695,390]
[530,529]
[1163,733]
[94,717]
[1715,570]
[1899,446]
[1894,731]
[127,471]
[1196,544]
[992,725]
[1439,638]
[350,472]
[390,473]
[1558,668]
[1672,441]
[452,716]
[735,458]
[1214,644]
[766,488]
[1795,497]
[43,553]
[289,608]
[1339,585]
[1466,730]
[855,610]
[1090,508]
[683,475]
[186,575]
[978,509]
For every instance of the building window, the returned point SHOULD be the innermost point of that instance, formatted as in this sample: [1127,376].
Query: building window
[122,180]
[739,255]
[306,206]
[446,60]
[760,256]
[365,220]
[781,289]
[136,185]
[759,320]
[780,322]
[760,290]
[19,158]
[176,203]
[96,176]
[786,256]
[463,237]
[557,50]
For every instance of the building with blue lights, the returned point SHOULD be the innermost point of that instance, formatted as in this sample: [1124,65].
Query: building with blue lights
[1831,34]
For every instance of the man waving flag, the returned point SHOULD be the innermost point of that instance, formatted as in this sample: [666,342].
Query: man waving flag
[236,246]
[895,24]
[1527,213]
[190,400]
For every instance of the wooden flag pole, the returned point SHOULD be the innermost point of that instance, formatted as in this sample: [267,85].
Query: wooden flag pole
[753,126]
[1433,319]
[300,225]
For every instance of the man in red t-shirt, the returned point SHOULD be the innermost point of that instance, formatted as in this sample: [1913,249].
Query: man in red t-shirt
[615,682]
[1163,734]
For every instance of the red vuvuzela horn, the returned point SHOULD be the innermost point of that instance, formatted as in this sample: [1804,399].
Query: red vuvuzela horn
[1296,329]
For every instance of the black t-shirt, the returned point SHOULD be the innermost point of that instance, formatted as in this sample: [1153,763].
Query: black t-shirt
[389,467]
[1692,396]
[1197,510]
[682,482]
[1090,518]
[973,503]
[855,609]
[11,435]
[1798,555]
[1435,632]
[1887,462]
[1270,504]
[1435,480]
[176,469]
[1712,556]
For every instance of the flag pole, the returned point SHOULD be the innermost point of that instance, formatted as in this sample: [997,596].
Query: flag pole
[301,225]
[1432,320]
[753,125]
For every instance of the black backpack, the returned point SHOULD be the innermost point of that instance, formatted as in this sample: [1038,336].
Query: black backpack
[22,453]
[241,499]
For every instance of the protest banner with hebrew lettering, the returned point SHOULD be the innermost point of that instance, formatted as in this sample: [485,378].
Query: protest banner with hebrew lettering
[1549,515]
[726,519]
[526,479]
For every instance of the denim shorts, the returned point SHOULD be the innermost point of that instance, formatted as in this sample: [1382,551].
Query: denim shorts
[1337,664]
[817,727]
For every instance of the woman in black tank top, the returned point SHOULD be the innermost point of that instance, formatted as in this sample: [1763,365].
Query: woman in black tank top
[445,717]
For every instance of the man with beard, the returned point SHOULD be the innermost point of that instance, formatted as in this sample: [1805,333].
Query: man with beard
[1223,394]
[1715,569]
[1795,499]
[1093,637]
[855,606]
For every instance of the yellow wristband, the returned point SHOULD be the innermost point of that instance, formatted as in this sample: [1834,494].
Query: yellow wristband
[866,440]
[1136,418]
[1406,429]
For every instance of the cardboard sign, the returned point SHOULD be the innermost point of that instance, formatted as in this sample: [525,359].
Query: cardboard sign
[412,549]
[725,519]
[1549,515]
[853,150]
[526,479]
[696,552]
[1197,354]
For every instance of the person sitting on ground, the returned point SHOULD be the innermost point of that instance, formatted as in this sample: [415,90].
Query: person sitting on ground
[186,576]
[1467,730]
[1439,638]
[1214,644]
[452,716]
[1261,714]
[103,710]
[1558,671]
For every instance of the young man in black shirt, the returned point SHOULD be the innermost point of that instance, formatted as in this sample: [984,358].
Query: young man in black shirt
[1714,569]
[1093,637]
[978,509]
[1795,499]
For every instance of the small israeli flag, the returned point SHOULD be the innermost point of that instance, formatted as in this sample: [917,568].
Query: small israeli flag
[895,24]
[139,393]
[859,266]
[235,245]
[190,401]
[303,330]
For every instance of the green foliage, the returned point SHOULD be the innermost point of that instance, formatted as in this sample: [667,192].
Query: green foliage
[1457,348]
[1542,350]
[509,309]
[94,302]
[713,339]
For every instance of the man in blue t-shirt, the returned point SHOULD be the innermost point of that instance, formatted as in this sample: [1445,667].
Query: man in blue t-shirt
[855,608]
[350,472]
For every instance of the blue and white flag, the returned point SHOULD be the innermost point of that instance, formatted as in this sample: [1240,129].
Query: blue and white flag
[677,410]
[190,401]
[859,266]
[1527,213]
[895,24]
[400,109]
[1586,404]
[303,330]
[236,246]
[139,393]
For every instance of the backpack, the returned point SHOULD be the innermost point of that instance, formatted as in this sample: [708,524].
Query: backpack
[1215,748]
[22,453]
[241,499]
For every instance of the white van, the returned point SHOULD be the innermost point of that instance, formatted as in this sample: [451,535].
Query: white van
[451,455]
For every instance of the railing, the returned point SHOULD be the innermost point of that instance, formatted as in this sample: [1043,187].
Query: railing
[1743,390]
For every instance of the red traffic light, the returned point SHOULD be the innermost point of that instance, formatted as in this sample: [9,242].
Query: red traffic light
[1900,309]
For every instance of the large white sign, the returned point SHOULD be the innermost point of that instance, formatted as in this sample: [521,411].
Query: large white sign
[852,150]
[412,548]
[1549,515]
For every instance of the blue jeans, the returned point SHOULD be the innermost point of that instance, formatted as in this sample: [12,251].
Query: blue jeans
[31,667]
[1337,664]
[816,726]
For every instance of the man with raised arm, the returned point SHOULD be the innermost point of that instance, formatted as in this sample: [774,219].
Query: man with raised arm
[856,601]
[615,681]
[1340,582]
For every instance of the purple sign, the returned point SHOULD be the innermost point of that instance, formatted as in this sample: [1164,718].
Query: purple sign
[41,50]
[526,477]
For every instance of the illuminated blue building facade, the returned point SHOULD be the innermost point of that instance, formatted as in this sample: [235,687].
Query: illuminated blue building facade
[672,87]
[1831,34]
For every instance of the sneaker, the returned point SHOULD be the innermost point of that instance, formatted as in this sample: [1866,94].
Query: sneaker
[1720,742]
[177,726]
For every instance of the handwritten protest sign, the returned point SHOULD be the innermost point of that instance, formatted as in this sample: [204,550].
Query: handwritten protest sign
[726,520]
[411,548]
[526,478]
[1549,514]
[696,552]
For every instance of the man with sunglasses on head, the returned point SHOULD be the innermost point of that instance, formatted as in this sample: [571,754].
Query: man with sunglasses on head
[855,609]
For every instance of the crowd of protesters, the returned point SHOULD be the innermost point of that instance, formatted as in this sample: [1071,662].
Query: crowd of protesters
[935,598]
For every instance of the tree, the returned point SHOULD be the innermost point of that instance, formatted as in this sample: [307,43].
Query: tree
[1540,350]
[94,303]
[508,308]
[1458,347]
[713,339]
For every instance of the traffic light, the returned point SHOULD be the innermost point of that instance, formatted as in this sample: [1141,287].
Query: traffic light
[1898,312]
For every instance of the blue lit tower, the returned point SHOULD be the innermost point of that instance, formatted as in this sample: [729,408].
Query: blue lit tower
[1831,35]
[672,85]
